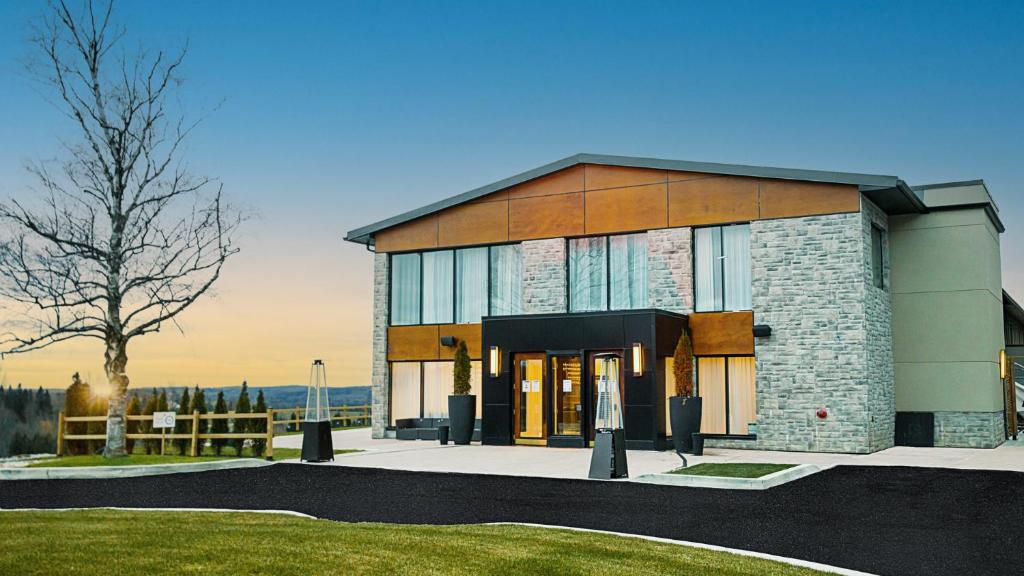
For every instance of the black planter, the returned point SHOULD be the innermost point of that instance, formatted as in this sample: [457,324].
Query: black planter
[684,412]
[462,417]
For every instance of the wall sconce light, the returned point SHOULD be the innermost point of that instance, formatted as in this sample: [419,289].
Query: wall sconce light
[1002,364]
[494,361]
[638,359]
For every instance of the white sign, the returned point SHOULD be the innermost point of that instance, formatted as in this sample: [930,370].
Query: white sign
[566,385]
[535,387]
[163,419]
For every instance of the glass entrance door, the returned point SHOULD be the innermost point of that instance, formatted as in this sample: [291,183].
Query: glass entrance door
[567,382]
[530,424]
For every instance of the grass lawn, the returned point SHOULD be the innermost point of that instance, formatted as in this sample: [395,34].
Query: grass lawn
[150,543]
[146,459]
[732,470]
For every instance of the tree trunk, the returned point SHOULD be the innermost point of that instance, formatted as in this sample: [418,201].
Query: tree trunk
[116,358]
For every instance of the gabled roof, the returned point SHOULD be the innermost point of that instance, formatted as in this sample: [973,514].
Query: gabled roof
[889,193]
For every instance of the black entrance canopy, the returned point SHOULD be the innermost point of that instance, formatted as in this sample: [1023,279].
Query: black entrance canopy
[581,334]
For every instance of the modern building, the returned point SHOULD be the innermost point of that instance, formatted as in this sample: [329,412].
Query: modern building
[828,311]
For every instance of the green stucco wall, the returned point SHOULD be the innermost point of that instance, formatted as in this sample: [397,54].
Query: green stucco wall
[947,311]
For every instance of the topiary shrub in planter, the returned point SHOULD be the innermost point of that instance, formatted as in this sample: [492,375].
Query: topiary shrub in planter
[461,404]
[684,407]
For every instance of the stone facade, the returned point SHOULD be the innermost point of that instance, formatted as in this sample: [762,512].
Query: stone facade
[544,276]
[670,270]
[812,285]
[969,429]
[380,387]
[878,323]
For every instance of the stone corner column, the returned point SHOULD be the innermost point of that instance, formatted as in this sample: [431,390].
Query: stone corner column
[380,389]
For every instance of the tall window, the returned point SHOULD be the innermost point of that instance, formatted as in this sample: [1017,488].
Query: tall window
[588,274]
[506,280]
[727,389]
[405,390]
[421,389]
[608,272]
[471,292]
[877,256]
[438,384]
[405,289]
[628,259]
[722,268]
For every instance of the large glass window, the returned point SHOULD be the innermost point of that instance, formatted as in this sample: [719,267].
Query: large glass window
[727,387]
[405,390]
[471,291]
[628,259]
[588,274]
[405,289]
[722,268]
[506,280]
[437,287]
[438,384]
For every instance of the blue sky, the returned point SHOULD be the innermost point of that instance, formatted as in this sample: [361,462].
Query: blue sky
[330,115]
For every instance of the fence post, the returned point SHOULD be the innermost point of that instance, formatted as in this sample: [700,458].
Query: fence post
[60,434]
[195,433]
[270,434]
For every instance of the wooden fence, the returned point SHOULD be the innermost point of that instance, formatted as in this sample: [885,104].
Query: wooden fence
[347,414]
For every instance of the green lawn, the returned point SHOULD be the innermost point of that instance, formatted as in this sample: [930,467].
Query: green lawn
[732,470]
[146,459]
[105,542]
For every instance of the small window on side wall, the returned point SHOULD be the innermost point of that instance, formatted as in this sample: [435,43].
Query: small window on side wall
[877,256]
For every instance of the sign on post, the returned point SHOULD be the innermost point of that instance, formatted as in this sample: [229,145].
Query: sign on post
[163,419]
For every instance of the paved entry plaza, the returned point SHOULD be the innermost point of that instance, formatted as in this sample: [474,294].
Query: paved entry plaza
[427,456]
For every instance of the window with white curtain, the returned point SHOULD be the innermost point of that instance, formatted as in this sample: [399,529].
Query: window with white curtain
[437,287]
[506,280]
[438,384]
[471,290]
[476,372]
[405,390]
[405,289]
[588,274]
[727,387]
[722,268]
[628,268]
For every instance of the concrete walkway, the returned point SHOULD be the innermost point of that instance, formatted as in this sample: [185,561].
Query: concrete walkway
[424,456]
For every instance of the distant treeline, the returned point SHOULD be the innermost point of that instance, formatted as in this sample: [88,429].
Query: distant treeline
[28,421]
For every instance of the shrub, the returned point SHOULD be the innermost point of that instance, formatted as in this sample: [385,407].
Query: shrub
[199,405]
[462,369]
[220,425]
[259,446]
[682,367]
[243,406]
[181,425]
[134,408]
[147,425]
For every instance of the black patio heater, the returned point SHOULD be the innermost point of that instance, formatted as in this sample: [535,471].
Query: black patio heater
[609,457]
[316,426]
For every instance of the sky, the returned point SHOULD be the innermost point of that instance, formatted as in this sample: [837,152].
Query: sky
[321,117]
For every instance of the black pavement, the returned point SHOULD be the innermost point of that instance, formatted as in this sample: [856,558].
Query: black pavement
[884,520]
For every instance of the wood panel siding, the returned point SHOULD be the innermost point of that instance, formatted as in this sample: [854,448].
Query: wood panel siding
[722,333]
[626,209]
[473,224]
[545,217]
[714,200]
[561,182]
[471,334]
[413,343]
[598,177]
[415,235]
[597,199]
[788,199]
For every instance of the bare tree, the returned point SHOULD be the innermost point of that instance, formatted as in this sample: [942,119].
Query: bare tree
[117,238]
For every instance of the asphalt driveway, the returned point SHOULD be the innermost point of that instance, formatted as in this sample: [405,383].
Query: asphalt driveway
[905,521]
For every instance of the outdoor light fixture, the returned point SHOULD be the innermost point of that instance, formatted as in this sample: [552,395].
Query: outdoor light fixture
[1002,364]
[495,361]
[638,359]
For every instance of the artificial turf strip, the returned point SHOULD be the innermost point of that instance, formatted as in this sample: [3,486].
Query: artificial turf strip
[147,459]
[105,542]
[732,470]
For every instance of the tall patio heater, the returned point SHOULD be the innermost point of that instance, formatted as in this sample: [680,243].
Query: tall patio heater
[609,457]
[316,426]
